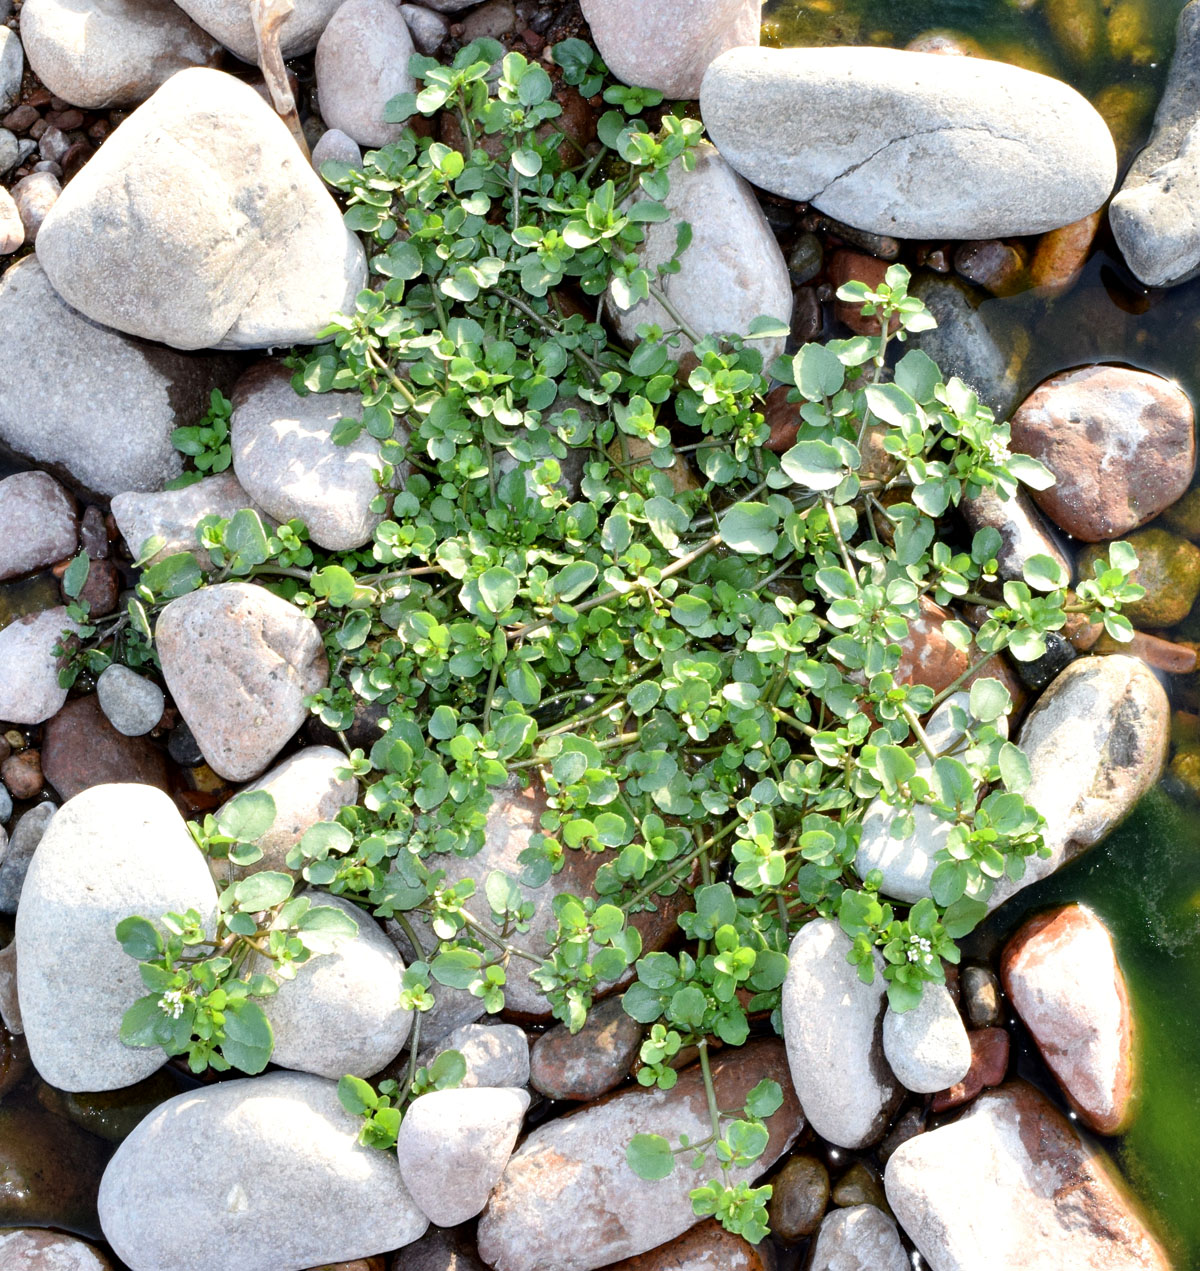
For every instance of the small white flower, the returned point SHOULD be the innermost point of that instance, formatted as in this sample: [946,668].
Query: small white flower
[997,450]
[171,1003]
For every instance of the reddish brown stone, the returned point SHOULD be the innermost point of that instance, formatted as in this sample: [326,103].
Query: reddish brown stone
[1061,974]
[1060,255]
[102,589]
[1119,442]
[989,1065]
[81,749]
[928,657]
[22,774]
[856,267]
[589,1063]
[65,120]
[1163,655]
[783,418]
[20,119]
[707,1247]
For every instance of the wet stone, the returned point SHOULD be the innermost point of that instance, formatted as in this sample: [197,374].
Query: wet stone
[590,1063]
[859,1185]
[800,1196]
[1169,570]
[82,749]
[22,774]
[806,259]
[981,996]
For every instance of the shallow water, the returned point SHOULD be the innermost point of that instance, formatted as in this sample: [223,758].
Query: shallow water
[1144,881]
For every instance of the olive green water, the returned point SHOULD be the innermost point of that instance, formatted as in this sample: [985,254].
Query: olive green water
[1144,881]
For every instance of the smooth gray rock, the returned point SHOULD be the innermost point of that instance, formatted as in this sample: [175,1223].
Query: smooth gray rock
[106,415]
[362,63]
[861,1238]
[939,147]
[277,1158]
[286,459]
[427,28]
[1096,742]
[927,1048]
[230,22]
[341,1012]
[18,852]
[131,703]
[6,810]
[453,1146]
[1022,529]
[12,228]
[26,835]
[334,146]
[732,272]
[29,689]
[963,343]
[109,853]
[306,789]
[1153,214]
[38,524]
[12,67]
[200,224]
[450,6]
[34,196]
[173,515]
[907,861]
[239,662]
[668,44]
[832,1025]
[1010,1184]
[10,151]
[102,53]
[495,1054]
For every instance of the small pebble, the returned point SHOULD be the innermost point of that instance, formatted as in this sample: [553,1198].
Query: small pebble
[334,145]
[182,747]
[34,196]
[53,144]
[6,803]
[12,230]
[22,774]
[799,1198]
[21,119]
[859,1185]
[981,996]
[10,150]
[806,259]
[93,533]
[132,703]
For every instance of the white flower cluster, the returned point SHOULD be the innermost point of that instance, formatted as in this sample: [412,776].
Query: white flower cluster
[171,1003]
[997,449]
[919,950]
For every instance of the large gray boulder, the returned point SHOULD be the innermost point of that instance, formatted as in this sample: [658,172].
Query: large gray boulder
[106,415]
[1153,214]
[277,1158]
[911,144]
[362,63]
[102,53]
[668,44]
[29,689]
[200,224]
[286,459]
[732,272]
[112,852]
[1096,742]
[832,1026]
[239,662]
[1010,1184]
[231,23]
[341,1013]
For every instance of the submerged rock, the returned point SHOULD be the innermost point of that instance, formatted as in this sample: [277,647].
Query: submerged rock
[1169,570]
[110,853]
[568,1200]
[734,270]
[941,147]
[1096,742]
[82,749]
[799,1197]
[278,1158]
[668,44]
[832,1025]
[1120,443]
[1010,1184]
[1062,976]
[200,224]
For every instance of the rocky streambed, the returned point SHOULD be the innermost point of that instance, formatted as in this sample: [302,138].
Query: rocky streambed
[166,239]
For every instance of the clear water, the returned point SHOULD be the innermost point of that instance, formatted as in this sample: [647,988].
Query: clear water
[1144,881]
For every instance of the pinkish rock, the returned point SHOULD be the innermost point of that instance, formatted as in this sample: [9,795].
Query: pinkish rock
[591,1062]
[29,689]
[1061,973]
[1120,443]
[38,525]
[82,749]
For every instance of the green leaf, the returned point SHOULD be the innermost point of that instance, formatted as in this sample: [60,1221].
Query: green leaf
[456,968]
[1030,471]
[140,939]
[173,577]
[649,1156]
[818,372]
[356,1095]
[815,464]
[764,1100]
[324,928]
[1045,573]
[990,700]
[246,538]
[76,575]
[247,816]
[263,890]
[249,1038]
[143,1023]
[448,1070]
[1014,768]
[896,766]
[335,584]
[750,528]
[325,838]
[498,588]
[575,579]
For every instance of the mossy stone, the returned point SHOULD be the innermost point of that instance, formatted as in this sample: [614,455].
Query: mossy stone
[1168,568]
